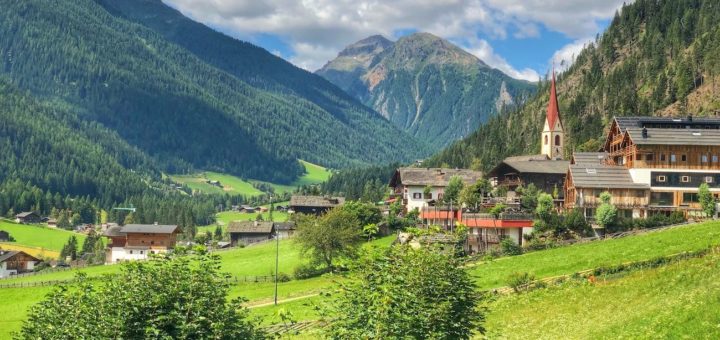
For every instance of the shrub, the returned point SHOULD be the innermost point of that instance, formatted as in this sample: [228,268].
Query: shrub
[307,271]
[283,277]
[520,281]
[510,247]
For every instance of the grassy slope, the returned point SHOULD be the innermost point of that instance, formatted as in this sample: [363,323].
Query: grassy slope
[570,259]
[39,236]
[234,185]
[225,217]
[255,260]
[673,302]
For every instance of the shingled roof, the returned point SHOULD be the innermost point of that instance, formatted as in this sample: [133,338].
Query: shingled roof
[316,201]
[532,164]
[671,131]
[140,228]
[250,227]
[600,176]
[589,157]
[438,177]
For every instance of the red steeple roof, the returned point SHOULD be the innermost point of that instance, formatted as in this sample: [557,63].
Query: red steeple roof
[553,113]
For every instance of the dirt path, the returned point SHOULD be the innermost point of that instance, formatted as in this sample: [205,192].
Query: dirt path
[265,304]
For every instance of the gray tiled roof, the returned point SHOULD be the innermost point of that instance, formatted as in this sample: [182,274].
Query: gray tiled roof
[434,176]
[316,201]
[285,225]
[140,228]
[603,177]
[671,131]
[589,157]
[7,254]
[539,167]
[250,227]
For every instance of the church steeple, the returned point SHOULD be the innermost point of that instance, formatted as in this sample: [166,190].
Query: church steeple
[553,138]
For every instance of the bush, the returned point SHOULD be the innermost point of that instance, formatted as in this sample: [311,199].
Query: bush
[307,271]
[520,281]
[283,277]
[510,247]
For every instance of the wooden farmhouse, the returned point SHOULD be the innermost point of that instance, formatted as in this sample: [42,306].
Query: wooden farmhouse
[139,241]
[16,262]
[28,217]
[248,232]
[650,165]
[314,205]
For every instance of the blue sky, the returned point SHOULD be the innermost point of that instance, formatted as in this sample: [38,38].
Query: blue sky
[520,37]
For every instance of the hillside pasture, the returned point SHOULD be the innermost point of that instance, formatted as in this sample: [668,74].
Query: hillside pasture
[574,258]
[677,301]
[38,236]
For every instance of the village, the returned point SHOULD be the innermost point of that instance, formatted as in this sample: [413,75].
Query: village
[648,167]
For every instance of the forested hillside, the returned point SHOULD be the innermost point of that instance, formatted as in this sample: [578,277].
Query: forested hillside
[176,108]
[656,58]
[425,85]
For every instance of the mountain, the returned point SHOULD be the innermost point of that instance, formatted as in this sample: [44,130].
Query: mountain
[211,103]
[424,85]
[656,58]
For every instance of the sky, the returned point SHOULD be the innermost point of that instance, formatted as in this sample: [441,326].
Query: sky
[522,38]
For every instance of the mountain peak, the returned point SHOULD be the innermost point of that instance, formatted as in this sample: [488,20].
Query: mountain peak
[423,48]
[371,45]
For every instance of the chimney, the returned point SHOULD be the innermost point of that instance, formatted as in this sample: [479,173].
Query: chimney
[644,132]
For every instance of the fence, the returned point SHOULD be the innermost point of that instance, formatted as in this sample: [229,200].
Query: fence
[33,284]
[294,327]
[44,271]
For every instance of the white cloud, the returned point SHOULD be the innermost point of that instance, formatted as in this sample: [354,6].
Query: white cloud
[563,58]
[482,49]
[318,29]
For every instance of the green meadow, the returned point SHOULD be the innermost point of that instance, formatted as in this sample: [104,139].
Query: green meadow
[677,301]
[38,236]
[578,257]
[233,185]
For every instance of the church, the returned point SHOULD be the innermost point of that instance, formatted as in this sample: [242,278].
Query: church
[545,170]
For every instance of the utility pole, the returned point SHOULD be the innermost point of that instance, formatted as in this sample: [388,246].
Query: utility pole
[277,249]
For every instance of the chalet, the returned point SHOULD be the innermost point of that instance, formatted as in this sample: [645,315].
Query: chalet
[139,241]
[546,174]
[314,205]
[247,209]
[248,232]
[409,184]
[650,165]
[285,229]
[27,217]
[16,262]
[4,236]
[52,222]
[546,170]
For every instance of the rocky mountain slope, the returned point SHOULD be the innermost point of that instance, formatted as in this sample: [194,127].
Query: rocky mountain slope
[425,85]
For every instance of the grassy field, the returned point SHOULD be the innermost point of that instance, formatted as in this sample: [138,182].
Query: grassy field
[679,301]
[570,259]
[234,185]
[34,251]
[225,217]
[253,260]
[39,236]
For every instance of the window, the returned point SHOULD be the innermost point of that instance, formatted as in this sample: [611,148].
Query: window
[714,158]
[440,196]
[131,252]
[662,157]
[638,157]
[661,179]
[649,157]
[683,158]
[152,242]
[672,158]
[685,179]
[690,197]
[557,140]
[141,252]
[661,198]
[703,159]
[417,195]
[639,193]
[546,140]
[709,179]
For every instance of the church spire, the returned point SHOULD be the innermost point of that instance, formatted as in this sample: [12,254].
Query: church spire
[553,112]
